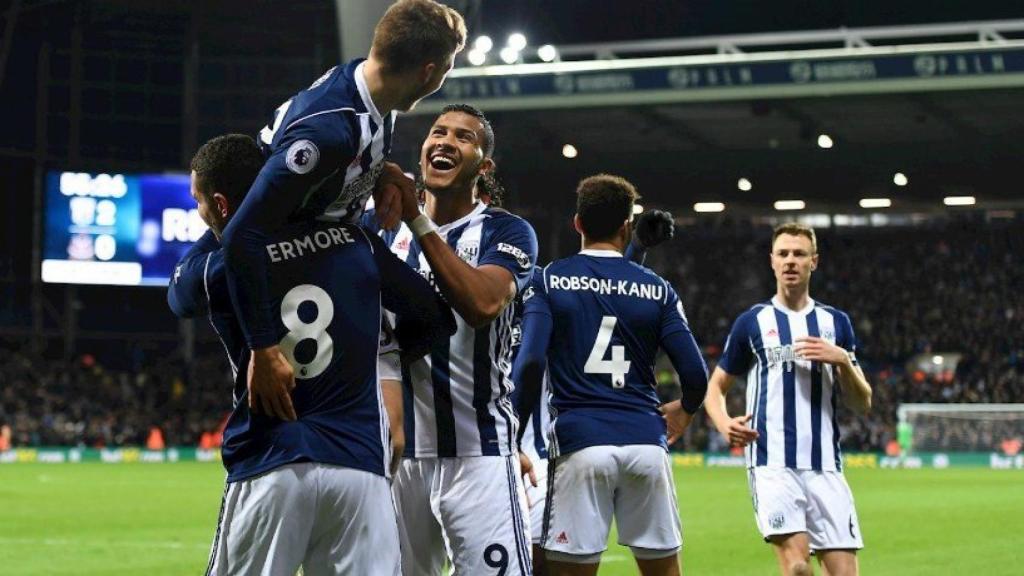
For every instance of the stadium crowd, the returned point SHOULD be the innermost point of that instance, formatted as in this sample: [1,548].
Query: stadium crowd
[951,288]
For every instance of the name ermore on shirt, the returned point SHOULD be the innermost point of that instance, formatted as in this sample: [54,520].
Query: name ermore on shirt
[308,244]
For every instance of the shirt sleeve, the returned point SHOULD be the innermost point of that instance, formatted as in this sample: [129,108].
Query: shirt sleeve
[186,293]
[513,247]
[635,252]
[737,356]
[304,160]
[530,363]
[678,342]
[846,339]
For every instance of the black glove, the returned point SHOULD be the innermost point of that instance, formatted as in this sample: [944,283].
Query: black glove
[652,228]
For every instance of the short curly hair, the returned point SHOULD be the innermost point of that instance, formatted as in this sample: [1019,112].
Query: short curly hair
[603,203]
[227,165]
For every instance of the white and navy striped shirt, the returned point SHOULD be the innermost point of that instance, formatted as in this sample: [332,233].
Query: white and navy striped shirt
[793,401]
[457,397]
[333,132]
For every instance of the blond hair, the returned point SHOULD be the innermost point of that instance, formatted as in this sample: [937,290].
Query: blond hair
[414,32]
[796,229]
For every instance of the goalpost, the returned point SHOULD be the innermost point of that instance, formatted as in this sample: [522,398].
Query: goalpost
[961,428]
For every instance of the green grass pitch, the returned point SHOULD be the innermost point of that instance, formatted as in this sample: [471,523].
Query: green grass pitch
[158,519]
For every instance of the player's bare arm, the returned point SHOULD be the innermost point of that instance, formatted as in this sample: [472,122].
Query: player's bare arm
[387,196]
[736,429]
[856,390]
[477,294]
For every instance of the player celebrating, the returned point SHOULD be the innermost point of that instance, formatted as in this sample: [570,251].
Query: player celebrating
[608,446]
[325,149]
[797,355]
[313,490]
[460,488]
[652,228]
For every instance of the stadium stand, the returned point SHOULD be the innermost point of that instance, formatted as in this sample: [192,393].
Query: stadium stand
[950,287]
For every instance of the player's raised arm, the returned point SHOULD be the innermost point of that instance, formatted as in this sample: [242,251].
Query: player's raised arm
[528,370]
[186,293]
[651,228]
[478,293]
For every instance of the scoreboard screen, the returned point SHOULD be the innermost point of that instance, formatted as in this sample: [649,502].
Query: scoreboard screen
[125,229]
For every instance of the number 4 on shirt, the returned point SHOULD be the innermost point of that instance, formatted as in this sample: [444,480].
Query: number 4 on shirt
[618,366]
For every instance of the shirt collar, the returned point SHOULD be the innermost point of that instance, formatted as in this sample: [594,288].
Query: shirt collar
[364,94]
[601,253]
[779,304]
[443,230]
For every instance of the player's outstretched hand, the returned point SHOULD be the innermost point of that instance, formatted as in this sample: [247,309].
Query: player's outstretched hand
[271,381]
[819,350]
[388,195]
[739,432]
[526,467]
[677,420]
[654,227]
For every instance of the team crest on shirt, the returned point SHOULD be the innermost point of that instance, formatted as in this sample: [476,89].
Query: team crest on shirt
[302,157]
[468,251]
[777,520]
[828,335]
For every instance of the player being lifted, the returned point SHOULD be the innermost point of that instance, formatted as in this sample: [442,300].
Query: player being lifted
[459,488]
[609,451]
[797,356]
[325,149]
[312,491]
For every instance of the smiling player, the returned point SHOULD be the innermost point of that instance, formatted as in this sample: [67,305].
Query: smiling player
[459,486]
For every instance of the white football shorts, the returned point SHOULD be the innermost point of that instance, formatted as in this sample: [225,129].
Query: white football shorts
[328,519]
[470,510]
[537,497]
[820,503]
[587,487]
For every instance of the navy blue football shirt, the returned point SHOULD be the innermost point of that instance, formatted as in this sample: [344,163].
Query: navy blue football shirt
[612,316]
[328,282]
[325,148]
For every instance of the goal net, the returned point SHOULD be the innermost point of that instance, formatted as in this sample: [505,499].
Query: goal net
[961,428]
